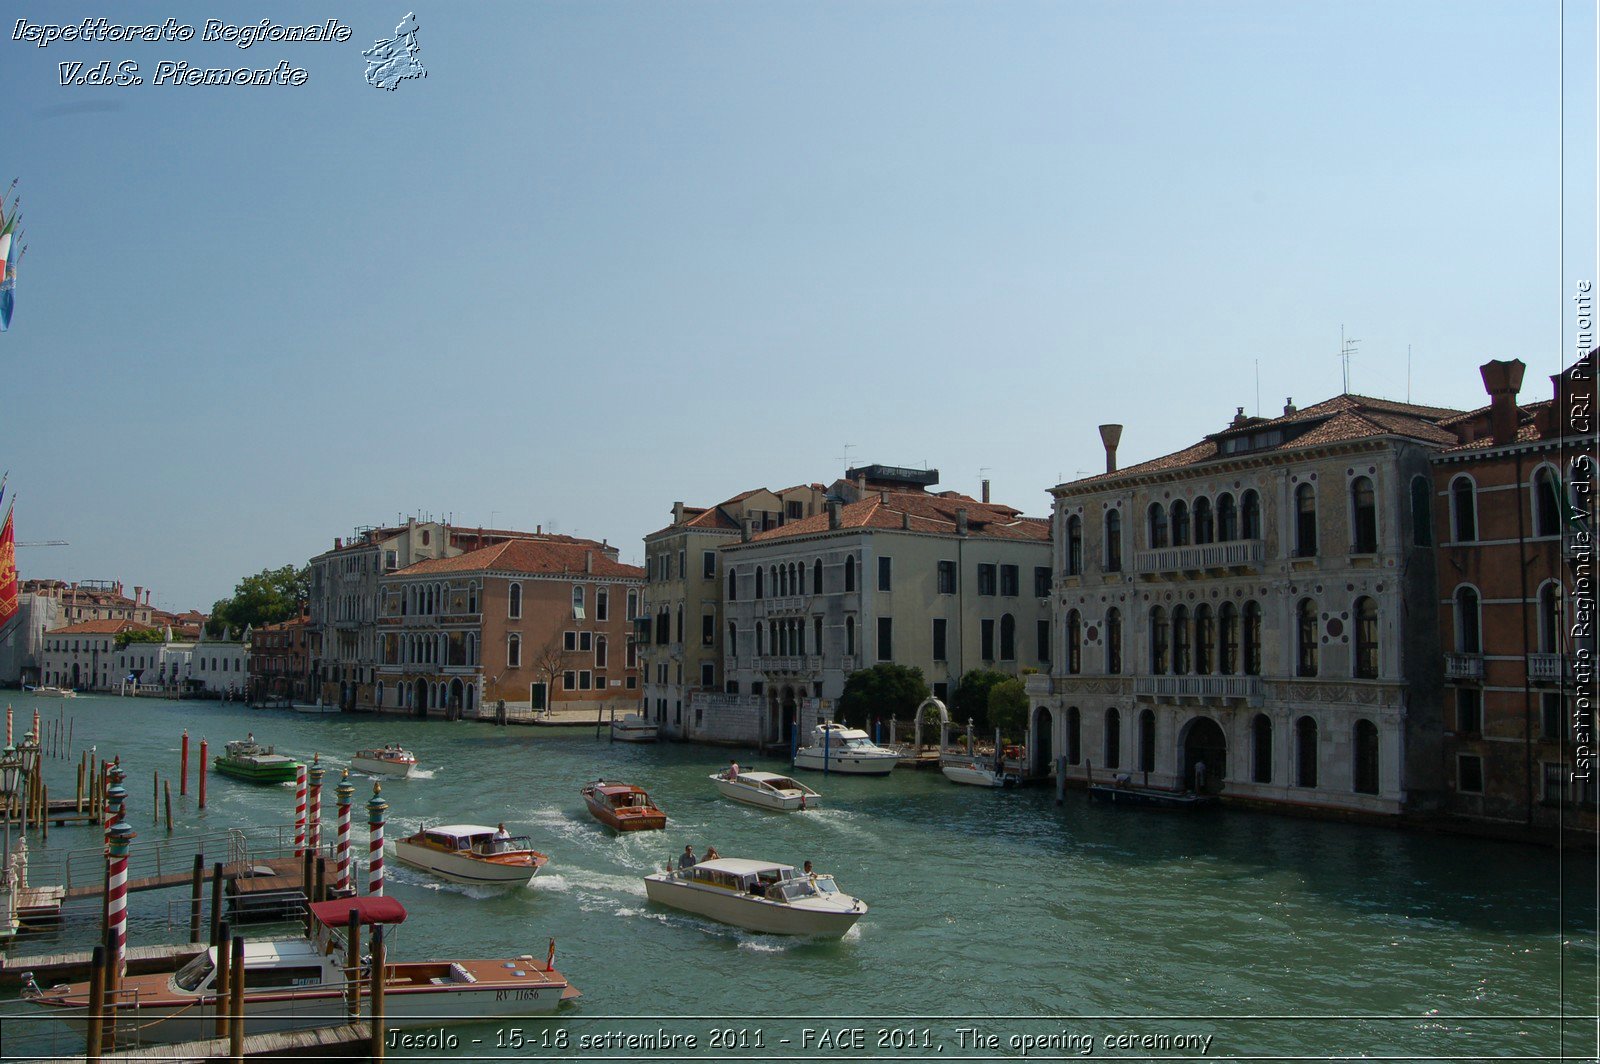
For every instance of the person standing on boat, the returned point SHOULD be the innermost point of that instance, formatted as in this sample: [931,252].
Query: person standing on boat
[733,769]
[686,859]
[501,837]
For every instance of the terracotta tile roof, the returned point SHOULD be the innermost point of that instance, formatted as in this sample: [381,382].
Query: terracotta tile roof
[918,512]
[1344,417]
[530,556]
[107,627]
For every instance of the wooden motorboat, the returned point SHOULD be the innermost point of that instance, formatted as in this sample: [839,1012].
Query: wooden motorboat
[391,760]
[622,806]
[51,692]
[836,748]
[247,759]
[299,983]
[634,729]
[976,771]
[472,853]
[768,790]
[759,896]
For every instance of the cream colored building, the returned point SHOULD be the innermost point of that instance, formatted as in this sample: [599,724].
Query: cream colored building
[887,572]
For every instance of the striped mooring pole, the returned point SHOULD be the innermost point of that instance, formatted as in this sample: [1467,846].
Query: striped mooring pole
[343,794]
[376,808]
[116,799]
[117,897]
[300,809]
[314,778]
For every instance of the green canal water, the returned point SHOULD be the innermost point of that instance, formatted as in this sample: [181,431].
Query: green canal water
[999,914]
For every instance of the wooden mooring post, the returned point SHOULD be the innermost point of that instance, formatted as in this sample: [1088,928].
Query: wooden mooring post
[224,987]
[94,1032]
[216,905]
[195,896]
[379,974]
[236,1003]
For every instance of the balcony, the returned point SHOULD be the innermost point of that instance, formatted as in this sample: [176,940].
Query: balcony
[1245,688]
[780,663]
[786,604]
[1037,685]
[1463,667]
[1243,554]
[1546,668]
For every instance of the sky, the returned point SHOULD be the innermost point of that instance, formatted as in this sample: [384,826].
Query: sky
[610,255]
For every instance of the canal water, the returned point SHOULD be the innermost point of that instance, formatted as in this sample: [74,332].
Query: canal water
[996,917]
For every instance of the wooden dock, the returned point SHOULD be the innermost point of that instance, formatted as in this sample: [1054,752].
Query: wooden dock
[347,1041]
[283,872]
[50,969]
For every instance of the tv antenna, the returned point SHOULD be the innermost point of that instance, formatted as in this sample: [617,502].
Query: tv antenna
[845,458]
[1347,347]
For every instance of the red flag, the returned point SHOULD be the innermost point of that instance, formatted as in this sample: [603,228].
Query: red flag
[8,572]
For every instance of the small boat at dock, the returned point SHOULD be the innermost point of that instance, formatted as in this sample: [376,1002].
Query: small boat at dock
[248,760]
[51,692]
[622,806]
[1120,792]
[472,853]
[768,790]
[300,983]
[633,729]
[976,771]
[391,760]
[318,707]
[836,748]
[759,896]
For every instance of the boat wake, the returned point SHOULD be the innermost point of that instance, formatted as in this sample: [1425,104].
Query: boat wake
[842,821]
[423,773]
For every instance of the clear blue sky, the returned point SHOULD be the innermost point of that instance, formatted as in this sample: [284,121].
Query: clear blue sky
[610,255]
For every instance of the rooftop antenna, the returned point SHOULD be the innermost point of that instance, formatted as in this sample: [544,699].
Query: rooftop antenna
[845,458]
[1258,387]
[1408,373]
[1347,347]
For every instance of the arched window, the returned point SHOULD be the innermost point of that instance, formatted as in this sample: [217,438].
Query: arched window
[1551,628]
[733,585]
[1180,524]
[1008,637]
[1227,519]
[761,639]
[1546,503]
[1113,750]
[1158,641]
[816,577]
[1306,638]
[733,639]
[1261,749]
[1366,663]
[1205,640]
[1180,640]
[1147,741]
[1204,529]
[1469,637]
[1421,512]
[1365,768]
[1305,521]
[760,583]
[679,638]
[1464,509]
[1074,642]
[577,605]
[1228,639]
[1114,641]
[780,581]
[600,651]
[1250,515]
[1158,526]
[1252,639]
[472,598]
[850,573]
[514,602]
[1305,751]
[1363,516]
[1113,541]
[1074,557]
[1074,736]
[850,635]
[514,651]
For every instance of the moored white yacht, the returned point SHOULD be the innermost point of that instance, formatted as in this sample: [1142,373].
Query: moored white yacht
[768,790]
[633,729]
[758,896]
[836,748]
[976,771]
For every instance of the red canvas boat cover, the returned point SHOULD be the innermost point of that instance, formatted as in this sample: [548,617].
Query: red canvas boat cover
[369,910]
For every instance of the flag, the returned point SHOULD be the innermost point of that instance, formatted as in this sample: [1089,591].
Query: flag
[8,572]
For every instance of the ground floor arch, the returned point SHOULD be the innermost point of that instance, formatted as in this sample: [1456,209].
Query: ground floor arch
[1042,748]
[1201,742]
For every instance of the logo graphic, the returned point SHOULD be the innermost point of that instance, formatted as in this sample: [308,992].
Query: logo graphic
[393,61]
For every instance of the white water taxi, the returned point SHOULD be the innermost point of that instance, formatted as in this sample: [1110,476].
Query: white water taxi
[472,853]
[976,771]
[759,896]
[768,790]
[836,748]
[298,983]
[633,729]
[391,760]
[51,692]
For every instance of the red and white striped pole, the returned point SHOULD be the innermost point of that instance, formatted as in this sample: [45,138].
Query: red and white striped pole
[117,899]
[8,726]
[376,808]
[116,798]
[299,809]
[343,794]
[314,778]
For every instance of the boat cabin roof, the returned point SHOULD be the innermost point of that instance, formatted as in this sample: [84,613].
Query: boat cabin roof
[840,731]
[739,866]
[459,831]
[617,788]
[282,951]
[369,910]
[763,777]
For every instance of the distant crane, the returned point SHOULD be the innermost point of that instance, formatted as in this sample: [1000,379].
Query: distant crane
[45,543]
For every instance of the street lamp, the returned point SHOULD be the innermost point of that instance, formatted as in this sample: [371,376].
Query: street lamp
[10,775]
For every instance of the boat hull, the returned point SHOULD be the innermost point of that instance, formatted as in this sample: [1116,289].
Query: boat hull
[975,776]
[301,707]
[846,764]
[374,767]
[647,819]
[1148,796]
[766,800]
[256,773]
[466,870]
[749,912]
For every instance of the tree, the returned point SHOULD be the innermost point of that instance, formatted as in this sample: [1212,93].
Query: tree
[548,664]
[884,690]
[971,700]
[1008,707]
[140,635]
[267,597]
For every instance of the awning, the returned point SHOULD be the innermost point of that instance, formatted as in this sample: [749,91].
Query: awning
[369,910]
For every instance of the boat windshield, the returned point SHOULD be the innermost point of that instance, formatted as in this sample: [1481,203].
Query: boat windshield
[826,885]
[795,889]
[192,976]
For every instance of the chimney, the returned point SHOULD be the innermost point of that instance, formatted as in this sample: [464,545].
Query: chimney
[985,489]
[961,521]
[588,561]
[905,519]
[833,515]
[883,497]
[744,529]
[1289,408]
[338,542]
[138,593]
[1238,417]
[1502,380]
[1110,435]
[538,530]
[677,513]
